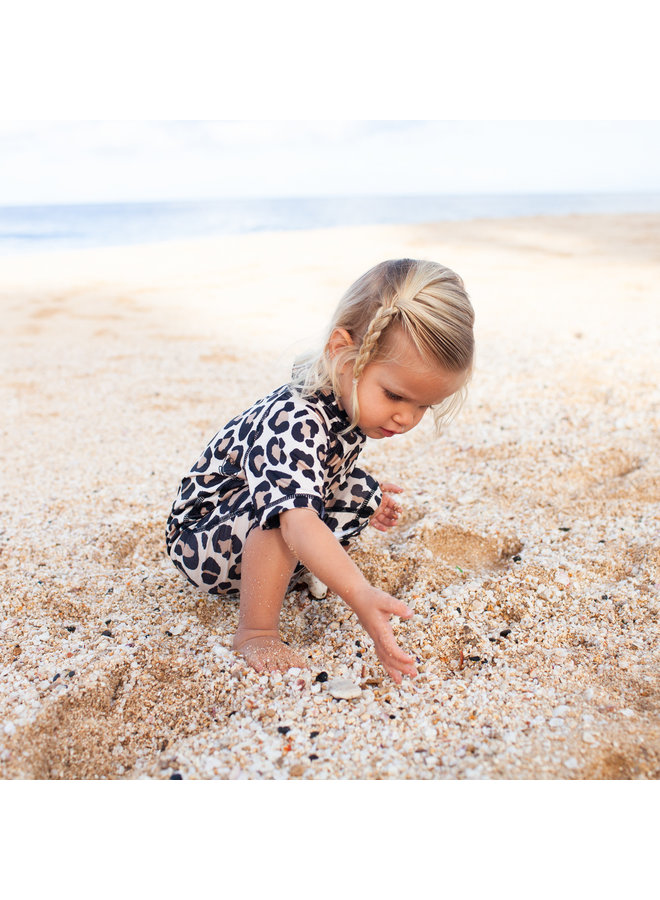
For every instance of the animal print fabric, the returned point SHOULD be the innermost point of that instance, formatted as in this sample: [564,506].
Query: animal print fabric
[284,452]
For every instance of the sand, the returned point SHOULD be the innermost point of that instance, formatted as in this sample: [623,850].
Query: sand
[529,545]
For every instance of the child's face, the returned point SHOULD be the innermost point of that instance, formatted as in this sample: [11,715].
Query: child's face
[394,394]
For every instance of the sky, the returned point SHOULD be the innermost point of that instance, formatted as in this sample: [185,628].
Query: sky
[117,161]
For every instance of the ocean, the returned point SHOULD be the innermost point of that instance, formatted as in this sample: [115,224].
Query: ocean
[26,229]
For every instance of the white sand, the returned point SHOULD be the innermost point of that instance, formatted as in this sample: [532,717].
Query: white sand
[119,364]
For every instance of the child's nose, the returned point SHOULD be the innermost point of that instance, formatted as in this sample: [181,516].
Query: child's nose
[403,418]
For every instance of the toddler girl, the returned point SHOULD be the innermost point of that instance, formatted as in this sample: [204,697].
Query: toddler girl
[277,494]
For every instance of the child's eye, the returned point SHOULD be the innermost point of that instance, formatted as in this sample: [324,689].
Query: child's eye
[391,396]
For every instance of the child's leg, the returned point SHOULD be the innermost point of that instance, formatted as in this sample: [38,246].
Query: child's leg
[266,569]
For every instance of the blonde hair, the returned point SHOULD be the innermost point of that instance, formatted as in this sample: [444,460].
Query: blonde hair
[423,299]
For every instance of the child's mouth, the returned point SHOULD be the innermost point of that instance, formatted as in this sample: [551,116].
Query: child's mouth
[387,433]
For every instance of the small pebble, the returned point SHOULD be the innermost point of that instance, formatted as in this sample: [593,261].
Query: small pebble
[343,689]
[284,729]
[106,633]
[176,776]
[322,676]
[313,734]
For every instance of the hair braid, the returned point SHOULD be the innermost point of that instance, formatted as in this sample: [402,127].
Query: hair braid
[369,343]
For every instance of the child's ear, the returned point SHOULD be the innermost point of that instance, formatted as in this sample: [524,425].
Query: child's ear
[339,340]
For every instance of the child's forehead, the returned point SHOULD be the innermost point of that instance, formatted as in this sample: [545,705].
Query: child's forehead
[399,351]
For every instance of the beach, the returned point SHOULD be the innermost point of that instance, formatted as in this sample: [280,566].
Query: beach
[529,545]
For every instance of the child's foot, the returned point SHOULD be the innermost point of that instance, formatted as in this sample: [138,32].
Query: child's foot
[267,653]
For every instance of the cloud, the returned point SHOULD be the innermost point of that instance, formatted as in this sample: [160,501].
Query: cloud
[142,160]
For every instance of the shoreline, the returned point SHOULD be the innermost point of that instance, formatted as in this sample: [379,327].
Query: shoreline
[170,243]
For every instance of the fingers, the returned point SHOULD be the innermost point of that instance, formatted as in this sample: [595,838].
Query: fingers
[394,607]
[394,658]
[388,488]
[396,669]
[387,514]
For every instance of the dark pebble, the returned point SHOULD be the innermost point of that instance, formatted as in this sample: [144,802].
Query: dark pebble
[313,756]
[604,597]
[474,658]
[107,621]
[71,673]
[110,591]
[601,542]
[392,716]
[358,653]
[563,528]
[492,639]
[517,558]
[358,644]
[168,633]
[56,677]
[177,776]
[71,628]
[458,610]
[232,713]
[313,734]
[505,633]
[322,676]
[106,633]
[283,729]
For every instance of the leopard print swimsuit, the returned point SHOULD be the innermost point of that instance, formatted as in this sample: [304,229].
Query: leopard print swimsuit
[284,452]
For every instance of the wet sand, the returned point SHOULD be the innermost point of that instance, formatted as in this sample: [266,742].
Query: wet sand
[529,547]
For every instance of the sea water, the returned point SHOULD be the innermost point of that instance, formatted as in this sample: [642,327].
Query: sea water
[59,227]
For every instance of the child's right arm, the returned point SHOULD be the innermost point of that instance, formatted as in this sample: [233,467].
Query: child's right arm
[312,542]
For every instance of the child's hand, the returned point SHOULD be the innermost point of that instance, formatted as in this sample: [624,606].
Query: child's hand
[388,512]
[374,609]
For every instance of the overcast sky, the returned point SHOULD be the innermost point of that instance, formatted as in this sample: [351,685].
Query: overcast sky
[88,161]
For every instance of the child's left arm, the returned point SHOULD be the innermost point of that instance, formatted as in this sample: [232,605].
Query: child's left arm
[388,512]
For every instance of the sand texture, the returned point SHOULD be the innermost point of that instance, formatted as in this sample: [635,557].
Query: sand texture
[529,547]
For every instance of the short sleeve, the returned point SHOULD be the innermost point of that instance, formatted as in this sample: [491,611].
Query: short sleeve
[285,466]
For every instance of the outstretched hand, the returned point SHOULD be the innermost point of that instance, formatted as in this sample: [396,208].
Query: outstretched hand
[374,610]
[387,514]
